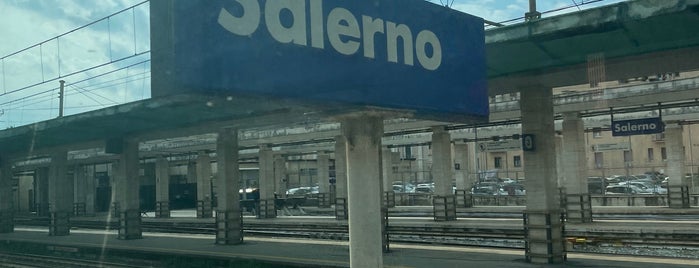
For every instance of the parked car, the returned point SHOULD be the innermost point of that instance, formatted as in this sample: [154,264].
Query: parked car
[509,181]
[301,192]
[643,187]
[623,189]
[487,189]
[619,178]
[403,187]
[398,188]
[514,189]
[424,188]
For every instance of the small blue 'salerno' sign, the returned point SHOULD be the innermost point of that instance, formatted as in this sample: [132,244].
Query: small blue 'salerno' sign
[637,126]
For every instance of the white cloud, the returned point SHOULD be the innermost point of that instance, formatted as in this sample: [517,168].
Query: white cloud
[33,22]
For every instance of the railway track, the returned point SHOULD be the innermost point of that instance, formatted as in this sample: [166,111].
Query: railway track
[607,242]
[22,260]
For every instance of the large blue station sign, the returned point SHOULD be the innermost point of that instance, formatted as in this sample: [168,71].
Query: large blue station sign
[637,126]
[404,54]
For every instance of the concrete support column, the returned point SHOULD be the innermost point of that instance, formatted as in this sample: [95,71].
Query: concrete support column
[395,162]
[192,172]
[389,197]
[229,220]
[366,226]
[162,187]
[461,174]
[280,183]
[341,210]
[266,208]
[574,166]
[444,202]
[323,162]
[128,191]
[204,205]
[80,185]
[116,183]
[7,224]
[561,193]
[90,190]
[60,194]
[41,191]
[419,154]
[543,227]
[558,144]
[474,163]
[677,188]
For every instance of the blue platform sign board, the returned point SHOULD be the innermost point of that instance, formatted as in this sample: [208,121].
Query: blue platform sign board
[637,126]
[403,54]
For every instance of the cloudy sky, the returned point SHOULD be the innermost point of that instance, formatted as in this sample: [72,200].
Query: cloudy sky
[33,58]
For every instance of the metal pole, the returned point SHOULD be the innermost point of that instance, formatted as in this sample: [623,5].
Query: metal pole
[691,160]
[532,14]
[477,154]
[60,98]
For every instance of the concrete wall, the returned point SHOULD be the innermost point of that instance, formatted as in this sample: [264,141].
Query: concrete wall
[302,172]
[613,161]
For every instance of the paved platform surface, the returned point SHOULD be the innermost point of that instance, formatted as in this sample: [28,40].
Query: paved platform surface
[316,253]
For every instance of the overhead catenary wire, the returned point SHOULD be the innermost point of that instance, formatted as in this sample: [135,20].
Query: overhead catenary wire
[51,96]
[447,3]
[552,10]
[67,107]
[58,51]
[81,91]
[79,81]
[74,73]
[73,30]
[576,4]
[4,87]
[106,84]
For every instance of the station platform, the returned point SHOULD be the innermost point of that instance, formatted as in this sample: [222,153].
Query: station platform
[312,253]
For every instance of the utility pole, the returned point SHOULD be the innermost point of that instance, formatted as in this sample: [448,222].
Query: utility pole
[60,98]
[532,14]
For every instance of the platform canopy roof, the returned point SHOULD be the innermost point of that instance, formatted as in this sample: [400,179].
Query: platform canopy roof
[186,114]
[635,38]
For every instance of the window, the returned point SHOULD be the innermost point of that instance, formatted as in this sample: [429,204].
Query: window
[596,133]
[659,137]
[517,161]
[408,152]
[628,158]
[650,155]
[599,160]
[663,153]
[498,162]
[308,171]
